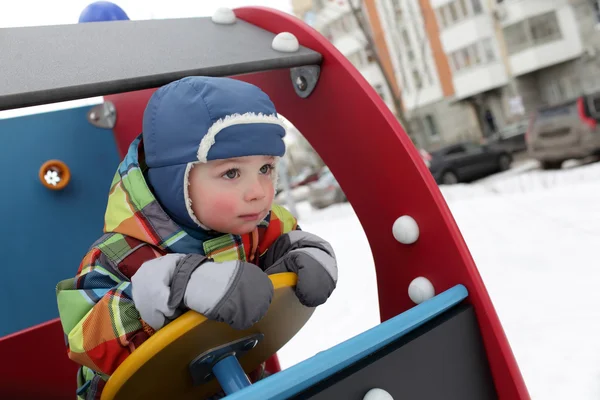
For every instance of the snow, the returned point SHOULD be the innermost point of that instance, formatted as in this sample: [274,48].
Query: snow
[533,237]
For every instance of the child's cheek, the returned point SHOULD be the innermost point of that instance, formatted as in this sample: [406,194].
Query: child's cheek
[224,208]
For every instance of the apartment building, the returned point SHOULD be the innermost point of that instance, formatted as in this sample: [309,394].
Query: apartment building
[432,122]
[509,57]
[468,68]
[424,75]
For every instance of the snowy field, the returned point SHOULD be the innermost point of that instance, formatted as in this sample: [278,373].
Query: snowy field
[534,236]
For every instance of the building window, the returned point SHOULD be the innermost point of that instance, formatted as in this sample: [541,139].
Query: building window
[417,79]
[370,55]
[380,91]
[544,28]
[553,92]
[427,70]
[462,6]
[488,50]
[457,11]
[477,60]
[431,127]
[477,9]
[466,55]
[478,53]
[534,31]
[441,17]
[457,61]
[516,37]
[453,13]
[405,37]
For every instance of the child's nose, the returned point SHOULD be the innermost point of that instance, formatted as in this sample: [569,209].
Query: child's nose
[255,191]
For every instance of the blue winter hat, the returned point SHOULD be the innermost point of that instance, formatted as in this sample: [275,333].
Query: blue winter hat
[100,11]
[199,119]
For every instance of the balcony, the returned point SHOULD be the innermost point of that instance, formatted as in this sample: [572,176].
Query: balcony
[539,34]
[511,11]
[350,43]
[479,79]
[422,96]
[462,22]
[466,32]
[477,67]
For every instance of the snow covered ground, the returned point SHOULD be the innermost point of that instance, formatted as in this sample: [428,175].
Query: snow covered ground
[534,236]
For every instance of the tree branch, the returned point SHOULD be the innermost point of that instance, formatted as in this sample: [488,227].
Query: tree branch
[358,16]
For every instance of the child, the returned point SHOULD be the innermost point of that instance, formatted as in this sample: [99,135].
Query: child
[190,224]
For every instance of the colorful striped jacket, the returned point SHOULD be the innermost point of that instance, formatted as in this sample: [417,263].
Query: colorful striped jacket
[100,321]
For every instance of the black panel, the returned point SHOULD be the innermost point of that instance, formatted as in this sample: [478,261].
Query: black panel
[47,64]
[444,359]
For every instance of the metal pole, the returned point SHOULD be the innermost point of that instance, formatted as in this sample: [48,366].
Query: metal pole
[230,375]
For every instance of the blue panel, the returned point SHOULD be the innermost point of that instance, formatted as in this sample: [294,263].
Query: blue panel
[44,233]
[230,375]
[313,370]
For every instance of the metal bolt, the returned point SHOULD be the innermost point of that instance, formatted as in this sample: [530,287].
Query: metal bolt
[301,83]
[250,344]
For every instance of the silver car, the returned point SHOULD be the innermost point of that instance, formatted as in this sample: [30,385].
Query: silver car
[565,131]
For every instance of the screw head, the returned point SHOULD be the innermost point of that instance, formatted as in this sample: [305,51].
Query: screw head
[250,344]
[301,83]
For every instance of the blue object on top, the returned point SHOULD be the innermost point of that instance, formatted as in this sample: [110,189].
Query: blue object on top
[302,376]
[100,11]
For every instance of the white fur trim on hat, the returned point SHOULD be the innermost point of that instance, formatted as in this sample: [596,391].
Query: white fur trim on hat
[234,119]
[186,196]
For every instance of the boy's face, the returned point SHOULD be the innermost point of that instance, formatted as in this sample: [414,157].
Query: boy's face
[232,195]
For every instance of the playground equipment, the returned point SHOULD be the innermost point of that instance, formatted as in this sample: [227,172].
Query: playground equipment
[440,336]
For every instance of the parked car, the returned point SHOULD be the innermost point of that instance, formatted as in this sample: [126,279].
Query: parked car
[305,177]
[511,137]
[325,191]
[465,162]
[565,131]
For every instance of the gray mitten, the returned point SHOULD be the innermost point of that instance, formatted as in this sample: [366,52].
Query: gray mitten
[311,258]
[234,292]
[151,289]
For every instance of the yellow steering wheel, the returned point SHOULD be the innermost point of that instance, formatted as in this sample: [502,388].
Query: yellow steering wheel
[176,362]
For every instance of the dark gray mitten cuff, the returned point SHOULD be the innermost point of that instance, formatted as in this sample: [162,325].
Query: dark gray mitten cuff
[181,277]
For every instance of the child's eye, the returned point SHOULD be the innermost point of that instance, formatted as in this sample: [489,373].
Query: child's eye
[267,168]
[231,174]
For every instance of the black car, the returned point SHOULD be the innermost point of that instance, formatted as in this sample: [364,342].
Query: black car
[467,161]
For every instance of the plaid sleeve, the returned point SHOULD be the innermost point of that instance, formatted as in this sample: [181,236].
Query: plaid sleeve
[100,322]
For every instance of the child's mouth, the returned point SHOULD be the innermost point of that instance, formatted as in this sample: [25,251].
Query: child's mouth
[250,217]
